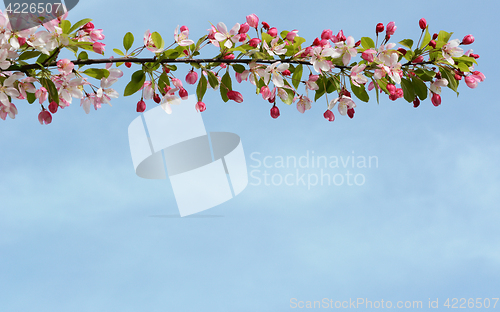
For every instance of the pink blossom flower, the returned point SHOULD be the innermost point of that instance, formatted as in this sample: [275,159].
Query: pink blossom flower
[368,55]
[319,58]
[253,20]
[356,77]
[44,117]
[274,70]
[98,47]
[275,48]
[235,96]
[8,89]
[327,34]
[303,104]
[265,92]
[451,49]
[228,36]
[65,66]
[182,37]
[10,110]
[345,49]
[437,84]
[311,82]
[244,28]
[41,94]
[169,99]
[345,103]
[96,34]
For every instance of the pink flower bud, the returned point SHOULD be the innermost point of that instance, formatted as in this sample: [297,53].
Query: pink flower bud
[183,29]
[346,93]
[275,112]
[350,112]
[266,93]
[265,25]
[418,59]
[316,42]
[416,102]
[432,43]
[128,64]
[434,37]
[329,115]
[183,94]
[458,77]
[402,51]
[254,42]
[273,32]
[200,106]
[422,23]
[229,57]
[253,20]
[357,43]
[379,28]
[44,117]
[327,34]
[244,28]
[191,77]
[340,36]
[88,27]
[390,29]
[286,72]
[290,36]
[471,81]
[468,40]
[156,98]
[243,37]
[368,56]
[53,107]
[141,106]
[436,99]
[391,88]
[177,83]
[98,47]
[235,96]
[21,41]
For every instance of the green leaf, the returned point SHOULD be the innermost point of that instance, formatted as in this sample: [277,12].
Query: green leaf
[96,73]
[463,68]
[376,89]
[450,76]
[238,68]
[79,24]
[408,90]
[163,81]
[297,76]
[128,41]
[202,87]
[119,52]
[28,55]
[360,92]
[407,43]
[65,26]
[290,96]
[367,42]
[214,82]
[83,56]
[31,97]
[419,87]
[136,83]
[427,39]
[225,86]
[157,40]
[444,36]
[425,75]
[51,88]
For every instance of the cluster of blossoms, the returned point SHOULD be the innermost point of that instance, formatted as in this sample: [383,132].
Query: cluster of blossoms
[274,62]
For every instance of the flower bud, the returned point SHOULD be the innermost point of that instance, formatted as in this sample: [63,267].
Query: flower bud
[98,47]
[141,106]
[235,96]
[191,77]
[254,42]
[329,115]
[88,27]
[471,82]
[436,99]
[184,28]
[432,43]
[434,37]
[53,107]
[350,112]
[422,23]
[402,51]
[44,117]
[379,28]
[200,106]
[286,72]
[183,94]
[156,98]
[468,40]
[128,64]
[458,77]
[316,42]
[273,32]
[253,20]
[275,112]
[290,36]
[390,29]
[327,34]
[391,88]
[418,59]
[416,102]
[357,43]
[244,28]
[265,25]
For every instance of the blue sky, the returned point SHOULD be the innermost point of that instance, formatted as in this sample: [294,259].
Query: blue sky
[79,231]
